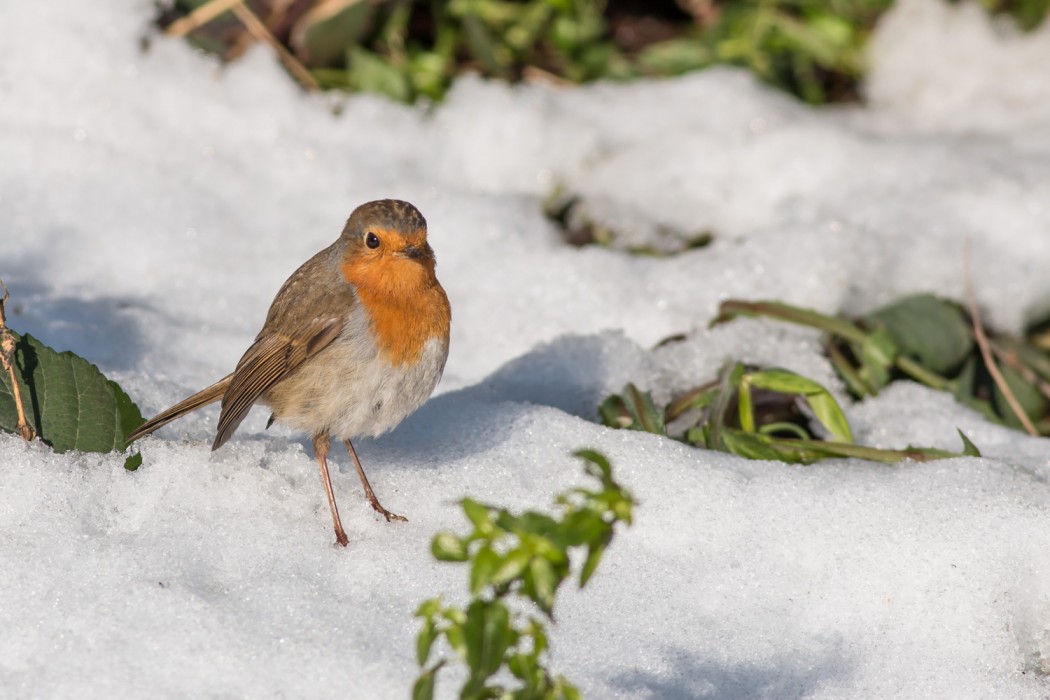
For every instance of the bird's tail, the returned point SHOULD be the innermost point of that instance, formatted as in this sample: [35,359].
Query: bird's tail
[202,398]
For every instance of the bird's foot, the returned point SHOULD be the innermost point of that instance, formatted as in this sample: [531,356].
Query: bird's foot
[377,506]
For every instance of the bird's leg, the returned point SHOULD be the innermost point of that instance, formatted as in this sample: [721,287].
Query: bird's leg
[369,493]
[322,443]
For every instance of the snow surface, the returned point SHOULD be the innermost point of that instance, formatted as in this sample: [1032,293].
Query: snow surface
[152,203]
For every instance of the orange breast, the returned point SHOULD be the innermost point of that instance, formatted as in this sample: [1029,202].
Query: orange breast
[405,301]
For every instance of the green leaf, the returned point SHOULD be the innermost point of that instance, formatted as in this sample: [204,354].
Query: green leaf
[969,449]
[830,415]
[596,464]
[594,557]
[541,581]
[878,354]
[487,634]
[423,689]
[447,547]
[511,567]
[759,446]
[320,36]
[641,407]
[614,413]
[674,56]
[67,400]
[824,405]
[486,563]
[372,73]
[479,515]
[1032,401]
[425,641]
[784,381]
[934,331]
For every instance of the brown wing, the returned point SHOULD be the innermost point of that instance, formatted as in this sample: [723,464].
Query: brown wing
[265,363]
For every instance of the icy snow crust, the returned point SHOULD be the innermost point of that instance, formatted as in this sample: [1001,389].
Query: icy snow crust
[152,205]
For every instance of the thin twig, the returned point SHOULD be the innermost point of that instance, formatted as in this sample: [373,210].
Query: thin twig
[986,353]
[255,26]
[1011,360]
[260,31]
[199,17]
[7,355]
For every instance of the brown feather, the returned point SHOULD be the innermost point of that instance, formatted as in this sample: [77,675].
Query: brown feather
[202,398]
[267,362]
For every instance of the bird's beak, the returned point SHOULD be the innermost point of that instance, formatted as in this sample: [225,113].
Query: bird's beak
[414,252]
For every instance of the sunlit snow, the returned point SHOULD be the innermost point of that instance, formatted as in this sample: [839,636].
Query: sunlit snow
[151,203]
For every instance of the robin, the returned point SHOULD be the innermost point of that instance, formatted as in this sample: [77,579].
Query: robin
[355,340]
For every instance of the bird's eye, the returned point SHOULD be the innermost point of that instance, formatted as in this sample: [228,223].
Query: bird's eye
[372,240]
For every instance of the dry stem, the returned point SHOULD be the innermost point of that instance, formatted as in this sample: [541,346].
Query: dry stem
[986,352]
[255,26]
[7,358]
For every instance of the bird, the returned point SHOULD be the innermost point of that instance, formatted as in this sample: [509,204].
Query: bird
[354,341]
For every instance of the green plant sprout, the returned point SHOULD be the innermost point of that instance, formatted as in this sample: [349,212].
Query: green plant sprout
[771,414]
[524,556]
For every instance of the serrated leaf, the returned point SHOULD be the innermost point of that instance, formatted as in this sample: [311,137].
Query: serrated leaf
[69,402]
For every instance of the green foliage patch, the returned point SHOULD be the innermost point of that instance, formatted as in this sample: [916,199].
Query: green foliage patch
[409,49]
[770,413]
[523,556]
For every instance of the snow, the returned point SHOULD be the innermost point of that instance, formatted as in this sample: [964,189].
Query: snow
[153,203]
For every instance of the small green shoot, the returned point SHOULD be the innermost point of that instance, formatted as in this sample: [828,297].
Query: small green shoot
[771,414]
[524,556]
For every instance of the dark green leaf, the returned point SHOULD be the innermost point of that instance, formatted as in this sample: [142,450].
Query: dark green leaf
[1032,401]
[67,400]
[934,331]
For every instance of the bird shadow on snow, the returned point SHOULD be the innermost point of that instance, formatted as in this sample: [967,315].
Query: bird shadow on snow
[690,677]
[569,374]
